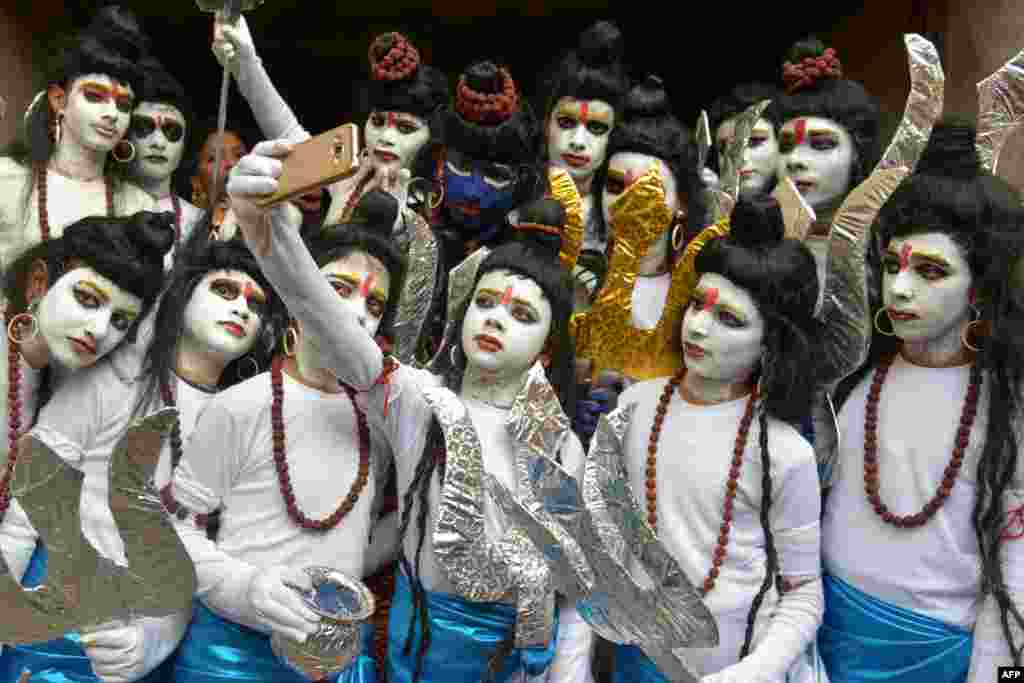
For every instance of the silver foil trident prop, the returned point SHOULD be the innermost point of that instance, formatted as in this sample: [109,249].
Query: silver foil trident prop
[229,11]
[84,590]
[660,613]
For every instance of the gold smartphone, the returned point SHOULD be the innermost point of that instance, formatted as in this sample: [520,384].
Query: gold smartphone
[319,161]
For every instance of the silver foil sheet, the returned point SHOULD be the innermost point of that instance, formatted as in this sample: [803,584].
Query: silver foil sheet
[1000,110]
[702,135]
[461,279]
[488,570]
[797,214]
[84,590]
[923,108]
[418,290]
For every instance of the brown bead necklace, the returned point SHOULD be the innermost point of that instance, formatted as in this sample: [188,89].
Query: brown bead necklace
[42,174]
[281,462]
[13,420]
[871,477]
[731,485]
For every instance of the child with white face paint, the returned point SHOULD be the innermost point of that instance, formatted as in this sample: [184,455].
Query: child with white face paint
[209,321]
[516,316]
[918,523]
[403,99]
[747,381]
[761,157]
[71,302]
[160,127]
[74,134]
[651,199]
[290,463]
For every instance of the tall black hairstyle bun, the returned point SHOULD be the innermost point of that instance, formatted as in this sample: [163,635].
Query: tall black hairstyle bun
[757,223]
[951,151]
[539,225]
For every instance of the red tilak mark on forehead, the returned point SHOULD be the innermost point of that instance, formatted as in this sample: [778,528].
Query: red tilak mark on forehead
[248,291]
[367,285]
[711,297]
[800,129]
[392,119]
[506,297]
[905,252]
[584,112]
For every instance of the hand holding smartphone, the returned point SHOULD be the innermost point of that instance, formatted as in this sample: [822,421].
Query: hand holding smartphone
[319,161]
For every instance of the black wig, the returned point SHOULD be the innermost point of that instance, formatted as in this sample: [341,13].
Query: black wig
[950,194]
[840,99]
[649,127]
[593,71]
[160,87]
[533,254]
[782,278]
[113,45]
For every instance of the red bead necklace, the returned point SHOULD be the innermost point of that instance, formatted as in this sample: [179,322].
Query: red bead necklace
[42,174]
[13,420]
[871,477]
[281,462]
[731,485]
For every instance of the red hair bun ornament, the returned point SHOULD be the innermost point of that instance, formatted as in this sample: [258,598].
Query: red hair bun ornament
[393,57]
[487,99]
[808,71]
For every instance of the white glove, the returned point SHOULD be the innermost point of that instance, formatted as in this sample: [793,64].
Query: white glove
[278,608]
[232,43]
[253,177]
[710,178]
[117,654]
[727,675]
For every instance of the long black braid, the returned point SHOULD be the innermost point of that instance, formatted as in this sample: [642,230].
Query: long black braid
[771,574]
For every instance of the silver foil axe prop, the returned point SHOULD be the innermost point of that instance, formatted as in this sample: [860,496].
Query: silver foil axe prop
[84,590]
[610,529]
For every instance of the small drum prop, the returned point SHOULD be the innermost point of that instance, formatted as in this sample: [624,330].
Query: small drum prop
[343,604]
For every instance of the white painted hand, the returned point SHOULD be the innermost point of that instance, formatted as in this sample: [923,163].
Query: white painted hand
[255,176]
[117,654]
[278,607]
[232,43]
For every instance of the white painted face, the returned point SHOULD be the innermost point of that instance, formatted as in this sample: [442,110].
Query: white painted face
[507,323]
[84,316]
[722,331]
[577,135]
[97,112]
[761,158]
[926,287]
[394,139]
[818,155]
[158,132]
[225,313]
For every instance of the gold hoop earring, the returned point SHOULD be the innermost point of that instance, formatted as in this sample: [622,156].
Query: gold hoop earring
[452,353]
[436,199]
[123,152]
[251,366]
[678,237]
[291,334]
[891,333]
[19,321]
[965,334]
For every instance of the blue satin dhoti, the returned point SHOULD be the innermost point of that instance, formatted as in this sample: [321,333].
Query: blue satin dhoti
[464,636]
[61,660]
[633,666]
[216,650]
[867,640]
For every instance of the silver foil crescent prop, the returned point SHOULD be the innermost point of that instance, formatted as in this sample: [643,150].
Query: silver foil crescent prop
[923,108]
[84,590]
[1000,110]
[730,162]
[610,528]
[461,279]
[702,135]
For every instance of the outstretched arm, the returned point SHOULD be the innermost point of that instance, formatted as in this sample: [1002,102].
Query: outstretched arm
[345,347]
[235,50]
